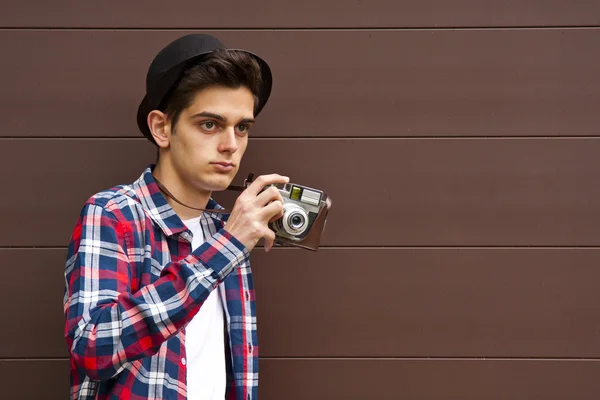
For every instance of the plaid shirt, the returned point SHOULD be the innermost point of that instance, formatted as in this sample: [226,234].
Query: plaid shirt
[132,286]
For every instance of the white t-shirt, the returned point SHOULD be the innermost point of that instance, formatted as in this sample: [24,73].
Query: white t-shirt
[205,340]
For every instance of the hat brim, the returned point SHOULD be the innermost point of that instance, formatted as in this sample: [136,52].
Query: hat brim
[152,100]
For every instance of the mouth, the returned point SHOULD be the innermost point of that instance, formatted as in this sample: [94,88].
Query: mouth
[223,163]
[223,166]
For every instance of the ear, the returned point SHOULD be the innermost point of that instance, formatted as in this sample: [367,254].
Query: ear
[160,128]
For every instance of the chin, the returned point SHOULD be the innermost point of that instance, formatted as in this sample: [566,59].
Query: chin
[217,183]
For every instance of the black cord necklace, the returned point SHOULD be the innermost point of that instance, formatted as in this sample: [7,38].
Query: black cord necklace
[163,189]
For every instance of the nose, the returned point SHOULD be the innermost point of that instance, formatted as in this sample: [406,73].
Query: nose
[228,141]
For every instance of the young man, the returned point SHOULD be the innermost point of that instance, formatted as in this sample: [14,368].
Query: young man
[159,300]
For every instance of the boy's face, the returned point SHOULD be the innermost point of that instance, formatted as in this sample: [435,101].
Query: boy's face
[206,145]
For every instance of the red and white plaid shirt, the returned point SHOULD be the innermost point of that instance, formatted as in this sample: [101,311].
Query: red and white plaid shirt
[133,284]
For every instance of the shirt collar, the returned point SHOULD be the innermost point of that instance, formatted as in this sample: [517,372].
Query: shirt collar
[159,210]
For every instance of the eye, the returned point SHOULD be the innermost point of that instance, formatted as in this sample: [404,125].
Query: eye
[208,126]
[243,128]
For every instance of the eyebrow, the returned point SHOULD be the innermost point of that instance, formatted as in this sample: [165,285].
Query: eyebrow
[221,118]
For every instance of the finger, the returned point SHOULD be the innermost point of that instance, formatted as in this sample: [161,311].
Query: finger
[276,217]
[264,180]
[272,210]
[269,195]
[269,240]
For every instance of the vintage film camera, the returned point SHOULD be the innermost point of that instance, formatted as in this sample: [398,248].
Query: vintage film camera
[304,215]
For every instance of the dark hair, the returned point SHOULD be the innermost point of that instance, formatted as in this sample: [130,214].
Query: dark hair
[229,68]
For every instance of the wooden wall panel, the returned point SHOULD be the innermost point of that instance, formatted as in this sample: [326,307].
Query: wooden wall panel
[370,303]
[34,379]
[327,83]
[35,311]
[387,192]
[300,14]
[429,303]
[429,379]
[365,379]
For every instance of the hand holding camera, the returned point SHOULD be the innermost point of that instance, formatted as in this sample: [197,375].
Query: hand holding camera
[254,209]
[294,215]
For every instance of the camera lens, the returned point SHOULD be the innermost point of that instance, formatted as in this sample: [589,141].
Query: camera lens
[296,221]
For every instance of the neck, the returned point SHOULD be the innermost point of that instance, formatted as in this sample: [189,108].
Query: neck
[182,192]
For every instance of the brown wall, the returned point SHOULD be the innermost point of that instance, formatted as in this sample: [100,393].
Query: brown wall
[458,140]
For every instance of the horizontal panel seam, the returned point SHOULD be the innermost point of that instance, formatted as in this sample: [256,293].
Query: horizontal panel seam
[330,138]
[546,359]
[46,28]
[350,358]
[428,247]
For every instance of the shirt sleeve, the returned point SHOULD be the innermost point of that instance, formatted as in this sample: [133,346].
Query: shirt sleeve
[108,326]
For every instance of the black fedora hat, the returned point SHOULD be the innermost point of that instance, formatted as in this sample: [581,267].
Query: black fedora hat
[169,64]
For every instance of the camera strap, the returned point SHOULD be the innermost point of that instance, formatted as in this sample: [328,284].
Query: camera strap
[167,193]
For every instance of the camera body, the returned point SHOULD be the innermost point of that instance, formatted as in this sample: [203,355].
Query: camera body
[301,206]
[305,211]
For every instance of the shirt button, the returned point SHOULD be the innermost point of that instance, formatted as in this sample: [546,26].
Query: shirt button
[183,361]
